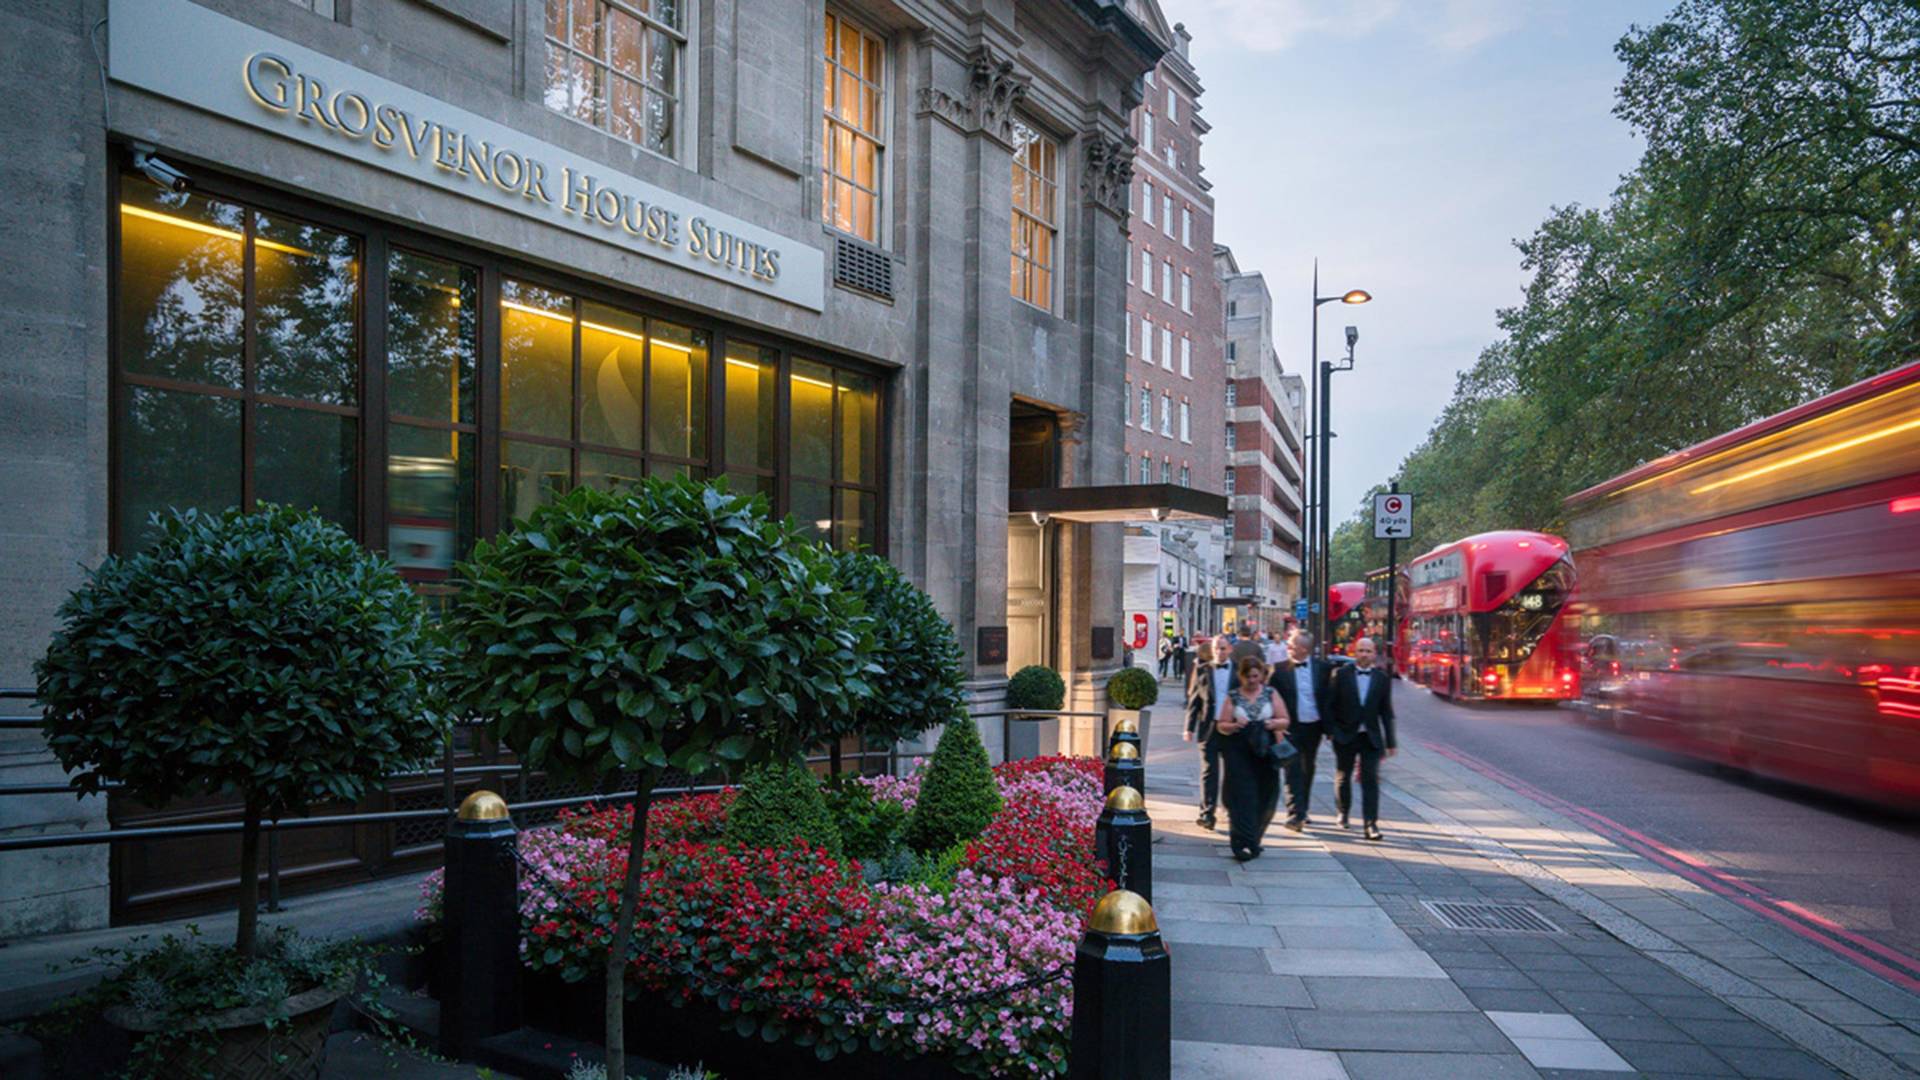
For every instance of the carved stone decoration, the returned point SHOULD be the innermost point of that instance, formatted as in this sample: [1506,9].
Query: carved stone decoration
[1108,173]
[996,92]
[987,106]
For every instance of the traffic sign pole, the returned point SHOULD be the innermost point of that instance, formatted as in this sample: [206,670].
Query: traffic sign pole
[1393,583]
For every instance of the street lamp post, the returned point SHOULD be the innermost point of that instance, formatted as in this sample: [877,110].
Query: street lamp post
[1319,565]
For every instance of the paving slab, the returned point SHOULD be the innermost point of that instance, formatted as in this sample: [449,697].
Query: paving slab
[1240,988]
[1383,993]
[1239,1061]
[1379,1065]
[1405,963]
[1250,1025]
[1344,1029]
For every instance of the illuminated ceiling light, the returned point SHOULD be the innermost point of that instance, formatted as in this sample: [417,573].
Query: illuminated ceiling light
[210,230]
[588,324]
[1810,455]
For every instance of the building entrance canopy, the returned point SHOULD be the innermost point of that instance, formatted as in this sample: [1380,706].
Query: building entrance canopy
[1114,503]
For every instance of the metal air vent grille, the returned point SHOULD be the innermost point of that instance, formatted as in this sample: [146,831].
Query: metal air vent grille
[863,267]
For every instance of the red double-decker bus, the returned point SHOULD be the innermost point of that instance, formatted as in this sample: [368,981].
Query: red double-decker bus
[1379,584]
[1346,616]
[1488,618]
[1755,599]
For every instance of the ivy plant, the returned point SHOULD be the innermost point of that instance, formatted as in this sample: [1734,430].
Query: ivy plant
[263,656]
[668,624]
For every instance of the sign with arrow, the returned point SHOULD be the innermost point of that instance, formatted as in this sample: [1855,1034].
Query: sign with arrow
[1392,516]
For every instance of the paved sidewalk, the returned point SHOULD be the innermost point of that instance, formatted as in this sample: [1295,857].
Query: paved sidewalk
[1322,958]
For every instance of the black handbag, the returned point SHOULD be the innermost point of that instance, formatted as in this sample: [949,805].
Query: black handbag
[1265,745]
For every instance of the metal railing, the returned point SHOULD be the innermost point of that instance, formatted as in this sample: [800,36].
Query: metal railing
[448,772]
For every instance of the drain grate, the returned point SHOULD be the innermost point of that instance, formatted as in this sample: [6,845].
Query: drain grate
[1458,915]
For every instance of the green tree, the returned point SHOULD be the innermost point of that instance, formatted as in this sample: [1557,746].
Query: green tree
[263,656]
[958,796]
[915,653]
[666,625]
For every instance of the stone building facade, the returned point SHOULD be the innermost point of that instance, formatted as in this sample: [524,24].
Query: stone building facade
[1176,347]
[1263,442]
[433,260]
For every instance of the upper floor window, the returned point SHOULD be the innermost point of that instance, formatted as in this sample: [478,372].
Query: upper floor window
[326,9]
[1166,414]
[852,135]
[1186,476]
[1233,308]
[1126,404]
[1146,407]
[1166,347]
[1232,393]
[1146,129]
[1186,356]
[1146,467]
[1146,271]
[1166,204]
[1230,357]
[616,65]
[1166,470]
[1186,225]
[1166,280]
[1146,340]
[1230,436]
[1172,154]
[1227,489]
[1173,107]
[1186,422]
[1036,180]
[1129,330]
[1146,188]
[1186,291]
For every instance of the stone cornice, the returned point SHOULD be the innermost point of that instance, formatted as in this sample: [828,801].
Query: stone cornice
[1108,173]
[993,94]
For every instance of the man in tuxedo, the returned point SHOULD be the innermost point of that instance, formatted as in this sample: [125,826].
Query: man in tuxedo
[1302,683]
[1207,686]
[1360,722]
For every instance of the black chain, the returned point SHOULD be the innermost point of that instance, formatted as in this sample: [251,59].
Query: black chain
[909,1005]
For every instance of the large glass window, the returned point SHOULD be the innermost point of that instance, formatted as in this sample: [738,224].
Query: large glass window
[616,64]
[239,350]
[834,438]
[641,386]
[852,138]
[242,360]
[1036,179]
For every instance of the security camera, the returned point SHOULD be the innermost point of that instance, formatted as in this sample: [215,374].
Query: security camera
[1353,336]
[158,171]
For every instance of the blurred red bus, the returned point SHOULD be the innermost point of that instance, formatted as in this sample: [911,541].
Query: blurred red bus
[1377,628]
[1755,599]
[1488,618]
[1346,616]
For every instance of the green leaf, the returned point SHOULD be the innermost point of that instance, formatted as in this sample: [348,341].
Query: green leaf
[735,747]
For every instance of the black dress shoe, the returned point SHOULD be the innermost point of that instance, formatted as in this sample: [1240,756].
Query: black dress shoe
[1344,823]
[1243,856]
[1373,833]
[1205,821]
[1292,825]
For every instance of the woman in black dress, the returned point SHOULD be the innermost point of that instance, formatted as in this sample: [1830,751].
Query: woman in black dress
[1250,723]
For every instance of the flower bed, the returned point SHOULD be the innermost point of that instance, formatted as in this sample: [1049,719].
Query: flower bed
[795,945]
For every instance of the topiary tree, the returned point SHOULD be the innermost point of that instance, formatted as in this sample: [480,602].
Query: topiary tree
[1036,687]
[263,656]
[781,801]
[957,796]
[1133,688]
[915,649]
[669,624]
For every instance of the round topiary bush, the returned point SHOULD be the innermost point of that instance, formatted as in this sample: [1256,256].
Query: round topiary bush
[780,801]
[914,648]
[263,656]
[1133,688]
[957,796]
[1036,687]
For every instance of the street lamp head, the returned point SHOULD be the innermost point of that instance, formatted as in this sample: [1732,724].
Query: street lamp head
[1356,296]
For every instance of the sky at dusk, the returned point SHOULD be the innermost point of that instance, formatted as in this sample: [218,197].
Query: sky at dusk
[1407,144]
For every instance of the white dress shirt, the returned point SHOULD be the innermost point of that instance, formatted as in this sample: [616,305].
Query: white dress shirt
[1363,678]
[1304,704]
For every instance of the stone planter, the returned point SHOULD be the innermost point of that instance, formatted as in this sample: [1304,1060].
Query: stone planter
[1032,738]
[244,1047]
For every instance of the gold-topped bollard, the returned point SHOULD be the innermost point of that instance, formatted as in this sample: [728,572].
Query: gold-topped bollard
[1122,995]
[1124,838]
[481,914]
[1125,768]
[1126,730]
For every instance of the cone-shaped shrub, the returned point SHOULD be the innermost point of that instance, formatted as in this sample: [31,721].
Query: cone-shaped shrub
[957,796]
[779,801]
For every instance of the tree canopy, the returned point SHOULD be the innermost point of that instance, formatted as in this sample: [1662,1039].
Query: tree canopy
[1762,252]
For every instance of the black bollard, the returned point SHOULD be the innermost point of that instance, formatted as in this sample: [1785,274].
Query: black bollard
[1125,730]
[482,919]
[1124,837]
[1124,768]
[1122,995]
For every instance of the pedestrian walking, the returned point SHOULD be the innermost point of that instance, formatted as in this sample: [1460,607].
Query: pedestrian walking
[1360,722]
[1302,680]
[1252,722]
[1207,686]
[1180,656]
[1166,654]
[1274,650]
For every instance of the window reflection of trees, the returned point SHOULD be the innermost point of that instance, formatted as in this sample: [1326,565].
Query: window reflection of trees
[1509,633]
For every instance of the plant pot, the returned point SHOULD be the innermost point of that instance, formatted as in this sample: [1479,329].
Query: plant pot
[244,1047]
[1032,739]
